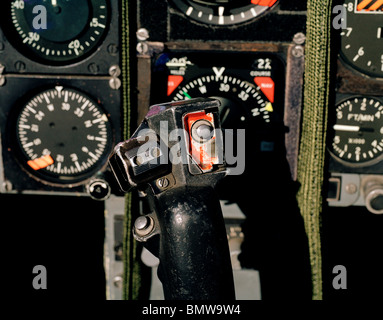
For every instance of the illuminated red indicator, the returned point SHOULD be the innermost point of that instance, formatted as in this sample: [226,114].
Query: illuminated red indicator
[265,3]
[173,83]
[41,163]
[267,86]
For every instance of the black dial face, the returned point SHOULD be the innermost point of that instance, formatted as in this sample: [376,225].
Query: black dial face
[223,12]
[362,40]
[233,92]
[248,86]
[358,131]
[56,31]
[63,136]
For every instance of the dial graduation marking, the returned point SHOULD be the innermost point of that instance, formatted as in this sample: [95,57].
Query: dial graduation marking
[223,13]
[231,88]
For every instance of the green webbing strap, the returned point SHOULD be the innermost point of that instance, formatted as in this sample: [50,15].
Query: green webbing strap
[314,124]
[132,280]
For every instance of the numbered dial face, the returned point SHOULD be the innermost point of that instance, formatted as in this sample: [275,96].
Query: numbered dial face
[242,102]
[249,87]
[358,131]
[57,31]
[63,136]
[362,40]
[223,12]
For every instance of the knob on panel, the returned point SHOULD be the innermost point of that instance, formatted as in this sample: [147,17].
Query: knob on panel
[373,192]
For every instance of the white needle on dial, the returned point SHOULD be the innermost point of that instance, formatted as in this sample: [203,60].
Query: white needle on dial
[342,127]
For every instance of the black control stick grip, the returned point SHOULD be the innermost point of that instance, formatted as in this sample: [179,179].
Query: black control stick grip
[193,252]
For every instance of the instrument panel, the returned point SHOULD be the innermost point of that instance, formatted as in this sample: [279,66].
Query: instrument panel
[58,131]
[62,101]
[250,88]
[355,126]
[41,29]
[241,53]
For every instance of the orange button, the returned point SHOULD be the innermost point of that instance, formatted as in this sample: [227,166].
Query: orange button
[173,83]
[267,86]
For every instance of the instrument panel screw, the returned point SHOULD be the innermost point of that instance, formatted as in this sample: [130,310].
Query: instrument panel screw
[114,71]
[117,281]
[351,188]
[142,34]
[113,49]
[93,68]
[163,182]
[299,38]
[298,51]
[20,66]
[115,83]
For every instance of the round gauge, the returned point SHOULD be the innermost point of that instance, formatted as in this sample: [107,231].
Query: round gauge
[242,103]
[362,40]
[57,31]
[63,136]
[223,12]
[358,131]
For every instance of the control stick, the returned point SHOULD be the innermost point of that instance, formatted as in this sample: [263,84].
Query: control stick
[176,158]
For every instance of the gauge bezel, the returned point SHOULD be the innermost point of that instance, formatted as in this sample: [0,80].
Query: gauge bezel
[345,163]
[16,41]
[43,176]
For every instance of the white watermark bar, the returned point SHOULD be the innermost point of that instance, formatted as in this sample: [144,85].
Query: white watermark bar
[233,153]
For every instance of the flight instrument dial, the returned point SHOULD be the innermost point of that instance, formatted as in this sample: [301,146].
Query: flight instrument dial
[223,12]
[358,131]
[56,31]
[362,39]
[63,136]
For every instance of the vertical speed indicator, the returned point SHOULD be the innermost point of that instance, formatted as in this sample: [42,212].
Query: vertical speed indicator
[358,131]
[63,136]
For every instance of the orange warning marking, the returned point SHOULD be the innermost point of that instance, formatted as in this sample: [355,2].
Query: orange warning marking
[173,83]
[363,4]
[376,5]
[267,86]
[265,3]
[41,163]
